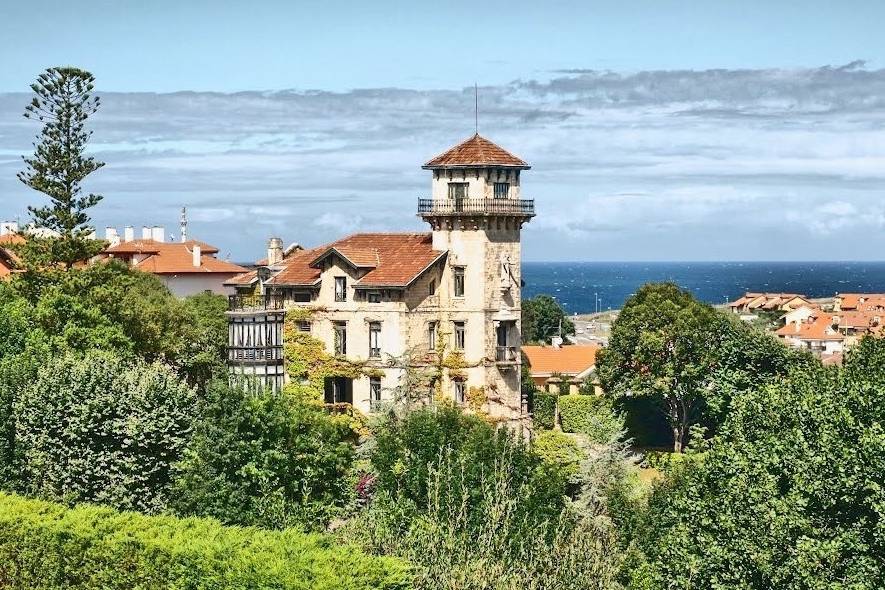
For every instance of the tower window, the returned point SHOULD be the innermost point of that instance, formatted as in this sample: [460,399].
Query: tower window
[341,338]
[304,326]
[459,335]
[458,278]
[458,190]
[431,287]
[502,190]
[340,288]
[375,339]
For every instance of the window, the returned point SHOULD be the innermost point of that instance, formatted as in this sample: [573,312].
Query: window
[431,287]
[375,339]
[502,190]
[301,297]
[431,336]
[374,297]
[374,391]
[459,335]
[431,389]
[459,392]
[458,190]
[304,326]
[458,278]
[340,288]
[341,338]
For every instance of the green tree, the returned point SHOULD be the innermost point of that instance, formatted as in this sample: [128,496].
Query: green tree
[264,459]
[62,103]
[790,494]
[101,429]
[662,346]
[543,318]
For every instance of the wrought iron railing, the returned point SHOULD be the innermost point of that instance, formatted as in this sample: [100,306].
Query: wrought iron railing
[479,206]
[506,354]
[255,353]
[268,301]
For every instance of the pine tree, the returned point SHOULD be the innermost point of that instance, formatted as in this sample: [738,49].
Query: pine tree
[63,102]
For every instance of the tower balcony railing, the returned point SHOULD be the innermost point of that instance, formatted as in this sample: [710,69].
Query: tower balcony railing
[256,302]
[521,207]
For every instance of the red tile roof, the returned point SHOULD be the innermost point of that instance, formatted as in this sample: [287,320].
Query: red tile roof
[816,327]
[7,239]
[476,151]
[173,257]
[569,360]
[392,260]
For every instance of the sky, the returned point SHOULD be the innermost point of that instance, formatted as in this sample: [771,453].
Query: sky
[656,130]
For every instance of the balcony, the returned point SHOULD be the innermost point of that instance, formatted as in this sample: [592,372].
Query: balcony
[506,354]
[456,207]
[266,302]
[255,354]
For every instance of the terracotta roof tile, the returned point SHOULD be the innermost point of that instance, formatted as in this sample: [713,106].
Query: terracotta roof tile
[173,257]
[247,278]
[816,327]
[569,359]
[476,151]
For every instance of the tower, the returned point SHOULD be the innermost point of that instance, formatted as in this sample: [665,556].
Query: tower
[476,212]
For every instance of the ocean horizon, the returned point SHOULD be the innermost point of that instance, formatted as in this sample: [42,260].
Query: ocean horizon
[576,285]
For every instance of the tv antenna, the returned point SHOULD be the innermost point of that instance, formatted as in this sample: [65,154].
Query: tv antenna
[475,108]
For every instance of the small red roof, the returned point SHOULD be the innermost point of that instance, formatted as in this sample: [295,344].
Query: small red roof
[173,257]
[473,152]
[571,359]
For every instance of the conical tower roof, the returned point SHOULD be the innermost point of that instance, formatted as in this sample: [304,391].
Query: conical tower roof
[476,151]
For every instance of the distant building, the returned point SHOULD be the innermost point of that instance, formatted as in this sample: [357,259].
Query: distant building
[818,333]
[9,261]
[561,369]
[376,296]
[859,302]
[186,268]
[756,302]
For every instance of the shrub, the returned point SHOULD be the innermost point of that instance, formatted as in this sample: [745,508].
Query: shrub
[590,415]
[407,447]
[559,450]
[544,409]
[265,459]
[477,537]
[104,430]
[47,546]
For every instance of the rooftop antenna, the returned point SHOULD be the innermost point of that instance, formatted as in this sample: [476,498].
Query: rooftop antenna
[475,108]
[183,224]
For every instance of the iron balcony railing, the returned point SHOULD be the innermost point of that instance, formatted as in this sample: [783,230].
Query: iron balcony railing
[506,354]
[268,301]
[522,207]
[265,354]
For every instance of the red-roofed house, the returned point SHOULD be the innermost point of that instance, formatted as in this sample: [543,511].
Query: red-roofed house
[186,268]
[561,368]
[376,296]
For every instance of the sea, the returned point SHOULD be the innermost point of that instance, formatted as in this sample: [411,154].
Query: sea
[586,287]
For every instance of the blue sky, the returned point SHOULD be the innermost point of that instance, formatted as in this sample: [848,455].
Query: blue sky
[657,129]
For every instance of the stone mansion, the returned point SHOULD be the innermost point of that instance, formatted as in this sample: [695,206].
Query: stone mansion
[373,297]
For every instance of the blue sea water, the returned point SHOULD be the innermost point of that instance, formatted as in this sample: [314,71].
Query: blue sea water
[575,283]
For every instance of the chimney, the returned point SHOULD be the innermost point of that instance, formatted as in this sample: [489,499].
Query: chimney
[556,341]
[196,256]
[274,251]
[128,233]
[158,233]
[145,232]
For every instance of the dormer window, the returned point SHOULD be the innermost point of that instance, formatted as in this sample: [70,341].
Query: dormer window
[340,288]
[502,190]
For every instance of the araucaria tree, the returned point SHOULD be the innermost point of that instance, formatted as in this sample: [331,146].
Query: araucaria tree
[63,102]
[663,345]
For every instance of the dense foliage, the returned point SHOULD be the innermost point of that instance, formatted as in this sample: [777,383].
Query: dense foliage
[102,430]
[543,318]
[590,415]
[476,508]
[544,409]
[790,494]
[687,358]
[48,546]
[62,103]
[265,459]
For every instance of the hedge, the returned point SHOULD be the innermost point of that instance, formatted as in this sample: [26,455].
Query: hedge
[46,545]
[544,409]
[590,415]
